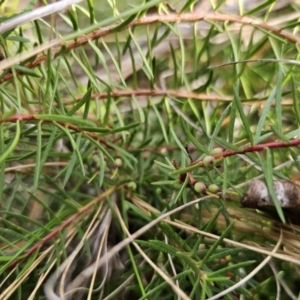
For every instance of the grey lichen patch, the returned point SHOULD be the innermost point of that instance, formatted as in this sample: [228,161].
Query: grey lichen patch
[257,195]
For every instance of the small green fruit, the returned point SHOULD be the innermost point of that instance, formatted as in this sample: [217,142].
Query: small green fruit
[208,161]
[200,187]
[118,162]
[213,188]
[131,185]
[216,151]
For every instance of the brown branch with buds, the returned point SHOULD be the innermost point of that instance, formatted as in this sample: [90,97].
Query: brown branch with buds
[218,154]
[256,148]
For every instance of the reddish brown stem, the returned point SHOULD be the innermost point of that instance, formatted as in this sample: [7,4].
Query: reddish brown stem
[19,117]
[256,148]
[152,19]
[66,223]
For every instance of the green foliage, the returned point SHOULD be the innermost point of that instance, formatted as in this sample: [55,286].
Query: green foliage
[110,187]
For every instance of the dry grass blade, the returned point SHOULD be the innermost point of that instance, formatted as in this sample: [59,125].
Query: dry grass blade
[179,292]
[251,274]
[36,14]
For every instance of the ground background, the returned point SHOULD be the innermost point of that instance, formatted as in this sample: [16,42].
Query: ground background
[110,112]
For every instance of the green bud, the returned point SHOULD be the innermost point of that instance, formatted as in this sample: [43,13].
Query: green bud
[216,151]
[208,161]
[131,185]
[213,188]
[118,162]
[200,187]
[158,190]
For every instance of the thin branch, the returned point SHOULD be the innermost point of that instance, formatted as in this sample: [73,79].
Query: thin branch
[66,223]
[158,92]
[23,117]
[19,168]
[255,148]
[173,93]
[147,20]
[259,60]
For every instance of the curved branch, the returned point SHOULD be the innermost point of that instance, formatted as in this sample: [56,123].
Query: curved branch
[58,45]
